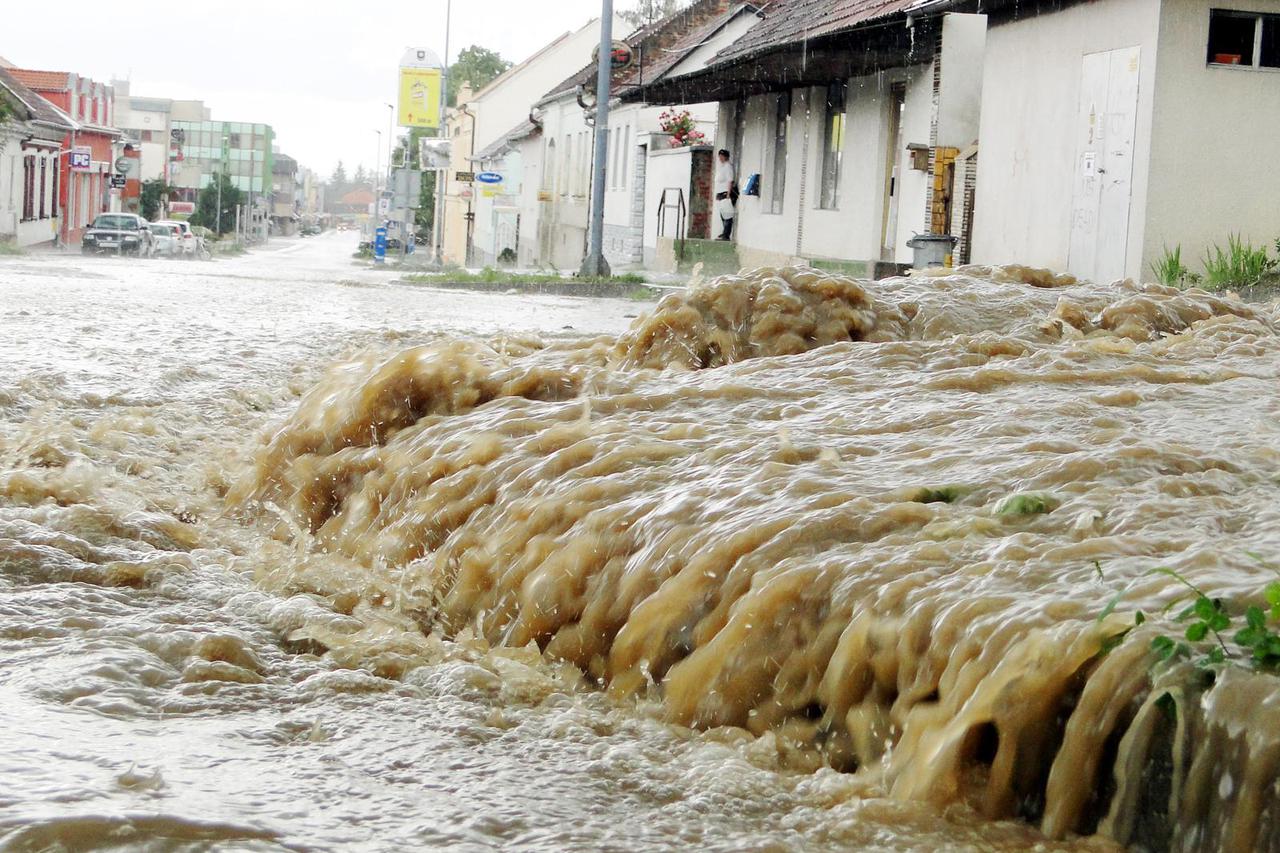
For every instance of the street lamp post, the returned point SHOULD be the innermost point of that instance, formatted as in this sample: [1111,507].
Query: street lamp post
[442,175]
[595,265]
[222,156]
[377,167]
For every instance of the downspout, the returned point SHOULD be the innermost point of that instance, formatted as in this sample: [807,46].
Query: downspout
[471,217]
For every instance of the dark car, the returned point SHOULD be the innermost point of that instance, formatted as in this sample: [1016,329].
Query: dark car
[122,233]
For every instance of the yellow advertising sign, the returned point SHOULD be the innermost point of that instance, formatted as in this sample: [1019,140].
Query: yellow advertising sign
[419,97]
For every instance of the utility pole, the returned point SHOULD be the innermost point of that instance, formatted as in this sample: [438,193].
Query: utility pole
[595,265]
[442,174]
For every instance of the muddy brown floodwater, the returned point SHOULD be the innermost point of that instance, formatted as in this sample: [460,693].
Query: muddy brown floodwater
[303,559]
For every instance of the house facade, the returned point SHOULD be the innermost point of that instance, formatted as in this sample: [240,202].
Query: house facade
[31,134]
[843,131]
[1080,135]
[1163,111]
[485,117]
[556,216]
[92,146]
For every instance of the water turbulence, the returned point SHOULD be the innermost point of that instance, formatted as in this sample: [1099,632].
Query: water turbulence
[877,522]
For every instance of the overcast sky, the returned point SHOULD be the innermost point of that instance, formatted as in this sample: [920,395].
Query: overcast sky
[319,73]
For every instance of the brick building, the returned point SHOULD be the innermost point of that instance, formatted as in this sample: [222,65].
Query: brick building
[84,189]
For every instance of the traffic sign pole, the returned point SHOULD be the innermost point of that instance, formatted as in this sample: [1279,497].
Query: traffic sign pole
[594,265]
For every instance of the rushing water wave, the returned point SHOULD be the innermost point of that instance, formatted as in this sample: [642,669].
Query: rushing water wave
[875,523]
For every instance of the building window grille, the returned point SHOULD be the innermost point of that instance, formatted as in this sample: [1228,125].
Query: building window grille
[28,188]
[1244,39]
[778,152]
[833,145]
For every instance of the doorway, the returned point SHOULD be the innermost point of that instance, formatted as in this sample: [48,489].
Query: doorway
[1102,183]
[892,173]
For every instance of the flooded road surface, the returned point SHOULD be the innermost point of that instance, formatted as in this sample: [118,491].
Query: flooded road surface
[281,542]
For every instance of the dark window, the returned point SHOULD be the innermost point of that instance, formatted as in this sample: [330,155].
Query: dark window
[235,140]
[44,176]
[833,145]
[778,152]
[28,188]
[53,196]
[1269,47]
[1247,39]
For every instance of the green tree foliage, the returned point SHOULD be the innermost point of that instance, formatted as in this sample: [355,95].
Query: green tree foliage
[477,66]
[643,12]
[339,176]
[152,192]
[207,206]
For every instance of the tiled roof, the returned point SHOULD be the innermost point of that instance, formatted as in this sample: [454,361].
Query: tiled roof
[659,46]
[37,108]
[43,81]
[523,130]
[790,22]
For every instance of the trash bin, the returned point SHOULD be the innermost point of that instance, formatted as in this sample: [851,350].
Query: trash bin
[931,250]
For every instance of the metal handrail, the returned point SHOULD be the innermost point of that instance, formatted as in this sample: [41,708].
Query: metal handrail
[681,216]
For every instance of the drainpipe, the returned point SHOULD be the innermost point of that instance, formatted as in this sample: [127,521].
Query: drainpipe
[471,217]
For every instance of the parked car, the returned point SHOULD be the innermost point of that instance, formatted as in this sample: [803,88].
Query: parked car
[192,244]
[168,239]
[122,233]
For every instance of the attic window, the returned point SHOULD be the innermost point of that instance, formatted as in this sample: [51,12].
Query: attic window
[1244,39]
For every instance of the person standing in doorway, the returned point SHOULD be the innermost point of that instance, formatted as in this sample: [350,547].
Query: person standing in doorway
[726,190]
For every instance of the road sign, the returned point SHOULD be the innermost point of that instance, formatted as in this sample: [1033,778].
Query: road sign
[80,159]
[380,245]
[421,79]
[122,164]
[620,56]
[433,153]
[118,182]
[489,178]
[465,177]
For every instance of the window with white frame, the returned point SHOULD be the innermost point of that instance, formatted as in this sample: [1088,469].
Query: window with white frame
[1245,39]
[780,129]
[832,145]
[568,165]
[615,170]
[626,158]
[549,172]
[585,171]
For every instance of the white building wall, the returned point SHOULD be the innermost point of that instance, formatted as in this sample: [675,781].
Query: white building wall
[853,230]
[1214,132]
[1031,86]
[506,102]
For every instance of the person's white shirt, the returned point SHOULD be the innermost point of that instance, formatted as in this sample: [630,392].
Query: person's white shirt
[724,176]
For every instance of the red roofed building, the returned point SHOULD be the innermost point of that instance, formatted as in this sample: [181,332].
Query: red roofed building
[84,187]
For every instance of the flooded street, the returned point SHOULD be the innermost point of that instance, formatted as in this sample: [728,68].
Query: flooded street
[293,556]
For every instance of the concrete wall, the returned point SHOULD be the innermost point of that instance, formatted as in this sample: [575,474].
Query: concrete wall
[1031,90]
[964,43]
[1214,133]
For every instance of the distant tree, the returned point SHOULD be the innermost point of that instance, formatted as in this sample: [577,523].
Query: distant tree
[476,66]
[152,193]
[207,206]
[361,177]
[339,176]
[643,12]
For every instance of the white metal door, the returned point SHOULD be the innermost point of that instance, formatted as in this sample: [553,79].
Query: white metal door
[1103,174]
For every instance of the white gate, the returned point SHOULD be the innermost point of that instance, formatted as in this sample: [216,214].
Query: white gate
[1103,181]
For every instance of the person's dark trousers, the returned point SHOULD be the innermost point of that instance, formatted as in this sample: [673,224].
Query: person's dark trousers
[727,233]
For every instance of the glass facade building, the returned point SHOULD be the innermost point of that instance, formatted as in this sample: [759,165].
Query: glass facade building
[202,149]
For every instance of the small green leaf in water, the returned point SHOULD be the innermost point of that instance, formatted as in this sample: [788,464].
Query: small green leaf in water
[1029,503]
[943,495]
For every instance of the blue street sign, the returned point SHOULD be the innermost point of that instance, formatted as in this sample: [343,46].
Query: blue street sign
[380,246]
[489,178]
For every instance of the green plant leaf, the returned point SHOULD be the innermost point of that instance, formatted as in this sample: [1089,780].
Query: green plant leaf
[1111,606]
[1163,647]
[1216,655]
[1255,617]
[1204,608]
[1197,631]
[1139,618]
